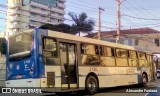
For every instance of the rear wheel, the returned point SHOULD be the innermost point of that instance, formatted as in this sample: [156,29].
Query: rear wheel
[91,85]
[144,80]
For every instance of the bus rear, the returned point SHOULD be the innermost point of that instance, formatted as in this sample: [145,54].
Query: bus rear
[21,63]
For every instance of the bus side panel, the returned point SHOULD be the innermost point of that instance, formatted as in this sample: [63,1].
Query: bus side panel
[109,76]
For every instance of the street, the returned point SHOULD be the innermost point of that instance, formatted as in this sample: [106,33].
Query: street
[116,91]
[121,91]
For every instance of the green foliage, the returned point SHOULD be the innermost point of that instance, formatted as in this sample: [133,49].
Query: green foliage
[65,28]
[81,23]
[3,46]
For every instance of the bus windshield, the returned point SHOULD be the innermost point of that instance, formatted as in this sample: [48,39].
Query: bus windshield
[20,45]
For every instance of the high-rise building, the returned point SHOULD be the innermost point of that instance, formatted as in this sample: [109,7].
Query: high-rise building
[26,14]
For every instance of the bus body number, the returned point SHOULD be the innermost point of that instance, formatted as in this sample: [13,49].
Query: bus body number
[93,69]
[27,61]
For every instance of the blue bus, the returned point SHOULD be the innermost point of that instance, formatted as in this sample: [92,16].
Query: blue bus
[62,62]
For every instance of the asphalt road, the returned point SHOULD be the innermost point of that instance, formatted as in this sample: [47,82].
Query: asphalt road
[116,91]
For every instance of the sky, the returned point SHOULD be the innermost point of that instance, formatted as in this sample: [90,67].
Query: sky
[134,13]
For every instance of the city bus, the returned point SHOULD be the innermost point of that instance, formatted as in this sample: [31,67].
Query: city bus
[59,62]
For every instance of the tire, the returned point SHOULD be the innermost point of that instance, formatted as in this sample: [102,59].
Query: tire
[144,80]
[91,85]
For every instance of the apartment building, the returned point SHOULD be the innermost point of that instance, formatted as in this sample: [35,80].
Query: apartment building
[26,14]
[145,39]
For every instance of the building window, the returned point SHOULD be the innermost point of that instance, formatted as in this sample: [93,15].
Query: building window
[33,14]
[136,42]
[50,3]
[25,2]
[157,41]
[130,42]
[121,41]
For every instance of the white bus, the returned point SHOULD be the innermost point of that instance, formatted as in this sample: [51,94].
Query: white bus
[60,62]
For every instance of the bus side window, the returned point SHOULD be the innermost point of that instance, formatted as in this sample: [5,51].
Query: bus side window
[142,59]
[121,57]
[50,51]
[50,45]
[98,50]
[82,48]
[132,58]
[113,51]
[90,56]
[107,58]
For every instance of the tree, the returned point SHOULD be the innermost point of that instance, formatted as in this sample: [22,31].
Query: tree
[3,46]
[81,23]
[65,28]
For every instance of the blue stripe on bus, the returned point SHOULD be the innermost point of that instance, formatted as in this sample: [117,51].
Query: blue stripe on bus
[139,78]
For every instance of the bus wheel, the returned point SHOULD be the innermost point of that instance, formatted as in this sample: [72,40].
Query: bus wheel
[91,85]
[144,80]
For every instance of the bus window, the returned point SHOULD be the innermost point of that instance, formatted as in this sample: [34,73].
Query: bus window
[113,51]
[121,59]
[90,49]
[50,51]
[142,59]
[141,55]
[107,59]
[132,54]
[89,57]
[98,50]
[121,53]
[90,60]
[107,51]
[82,48]
[132,58]
[50,45]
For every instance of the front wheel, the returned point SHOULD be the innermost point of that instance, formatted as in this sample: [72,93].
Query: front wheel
[91,85]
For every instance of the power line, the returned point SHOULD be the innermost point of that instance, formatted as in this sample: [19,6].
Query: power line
[144,8]
[139,17]
[137,9]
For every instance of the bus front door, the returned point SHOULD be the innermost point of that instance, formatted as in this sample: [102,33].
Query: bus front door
[68,58]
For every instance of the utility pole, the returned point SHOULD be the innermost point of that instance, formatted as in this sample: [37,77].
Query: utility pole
[118,21]
[99,22]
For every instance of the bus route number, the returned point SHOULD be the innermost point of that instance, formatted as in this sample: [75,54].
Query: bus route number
[93,69]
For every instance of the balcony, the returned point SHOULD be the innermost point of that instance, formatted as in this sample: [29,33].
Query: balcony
[13,12]
[38,5]
[61,5]
[54,9]
[14,19]
[56,16]
[38,11]
[38,19]
[15,5]
[13,26]
[58,10]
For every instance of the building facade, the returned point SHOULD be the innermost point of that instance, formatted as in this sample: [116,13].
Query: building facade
[145,39]
[2,34]
[26,14]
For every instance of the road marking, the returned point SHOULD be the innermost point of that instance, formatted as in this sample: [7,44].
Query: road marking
[146,94]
